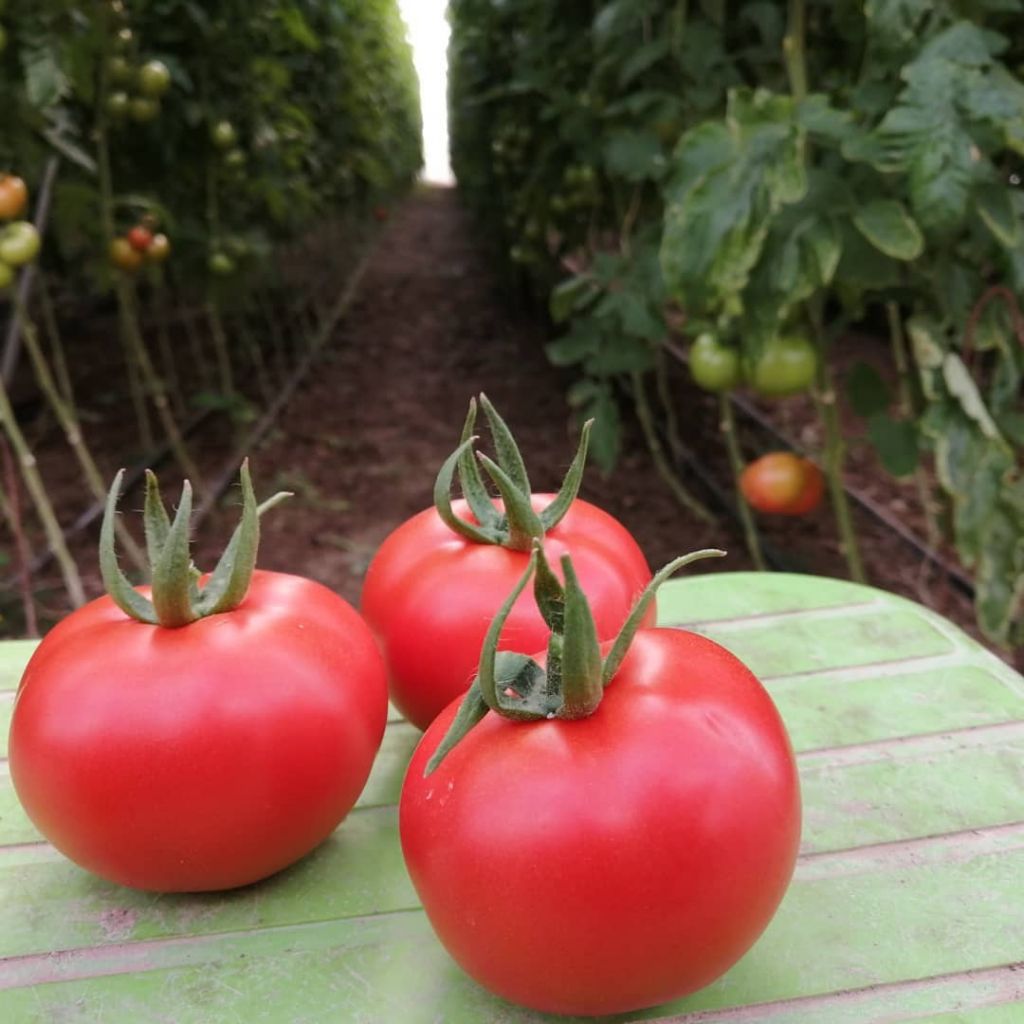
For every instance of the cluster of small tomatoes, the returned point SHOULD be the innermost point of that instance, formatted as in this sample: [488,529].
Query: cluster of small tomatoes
[134,88]
[19,239]
[779,483]
[139,245]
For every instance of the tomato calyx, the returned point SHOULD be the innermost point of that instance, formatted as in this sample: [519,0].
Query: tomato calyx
[518,526]
[176,597]
[571,683]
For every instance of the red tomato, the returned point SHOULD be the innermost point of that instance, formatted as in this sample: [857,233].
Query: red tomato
[781,483]
[139,238]
[13,196]
[430,595]
[617,861]
[203,757]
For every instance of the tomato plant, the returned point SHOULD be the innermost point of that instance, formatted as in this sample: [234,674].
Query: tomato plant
[436,581]
[13,197]
[781,483]
[785,366]
[600,830]
[6,275]
[714,366]
[183,742]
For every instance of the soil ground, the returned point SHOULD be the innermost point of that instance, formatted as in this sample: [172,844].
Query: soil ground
[363,436]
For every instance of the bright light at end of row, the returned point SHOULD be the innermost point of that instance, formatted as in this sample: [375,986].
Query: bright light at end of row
[428,33]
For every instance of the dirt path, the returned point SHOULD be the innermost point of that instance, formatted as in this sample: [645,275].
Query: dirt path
[363,438]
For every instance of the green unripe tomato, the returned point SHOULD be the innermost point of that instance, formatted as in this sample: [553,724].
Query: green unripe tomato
[123,40]
[143,109]
[19,243]
[234,158]
[221,264]
[119,70]
[154,79]
[223,134]
[787,365]
[119,105]
[713,366]
[6,276]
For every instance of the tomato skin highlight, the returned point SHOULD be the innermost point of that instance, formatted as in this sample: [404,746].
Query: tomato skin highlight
[205,757]
[429,596]
[615,862]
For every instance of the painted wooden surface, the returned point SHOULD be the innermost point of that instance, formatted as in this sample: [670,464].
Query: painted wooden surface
[907,904]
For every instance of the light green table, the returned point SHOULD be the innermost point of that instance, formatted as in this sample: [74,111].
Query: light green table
[907,904]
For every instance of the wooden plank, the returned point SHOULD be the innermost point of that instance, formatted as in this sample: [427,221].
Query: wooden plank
[919,919]
[14,655]
[693,599]
[906,903]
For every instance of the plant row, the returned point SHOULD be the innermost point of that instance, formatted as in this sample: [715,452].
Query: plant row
[757,178]
[207,172]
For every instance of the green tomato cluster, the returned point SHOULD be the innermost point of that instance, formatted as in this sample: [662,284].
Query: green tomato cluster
[786,365]
[224,137]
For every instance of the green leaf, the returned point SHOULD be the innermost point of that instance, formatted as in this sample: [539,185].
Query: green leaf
[45,81]
[569,296]
[896,443]
[940,180]
[994,204]
[886,224]
[866,391]
[642,59]
[633,154]
[583,340]
[962,387]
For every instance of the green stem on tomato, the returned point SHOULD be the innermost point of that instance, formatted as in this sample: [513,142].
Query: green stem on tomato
[220,347]
[646,417]
[727,424]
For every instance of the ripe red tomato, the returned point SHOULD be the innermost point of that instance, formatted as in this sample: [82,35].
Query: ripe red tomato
[123,256]
[139,238]
[781,483]
[203,757]
[429,595]
[616,861]
[13,196]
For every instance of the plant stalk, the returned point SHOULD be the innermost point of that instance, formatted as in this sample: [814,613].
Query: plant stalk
[654,445]
[727,424]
